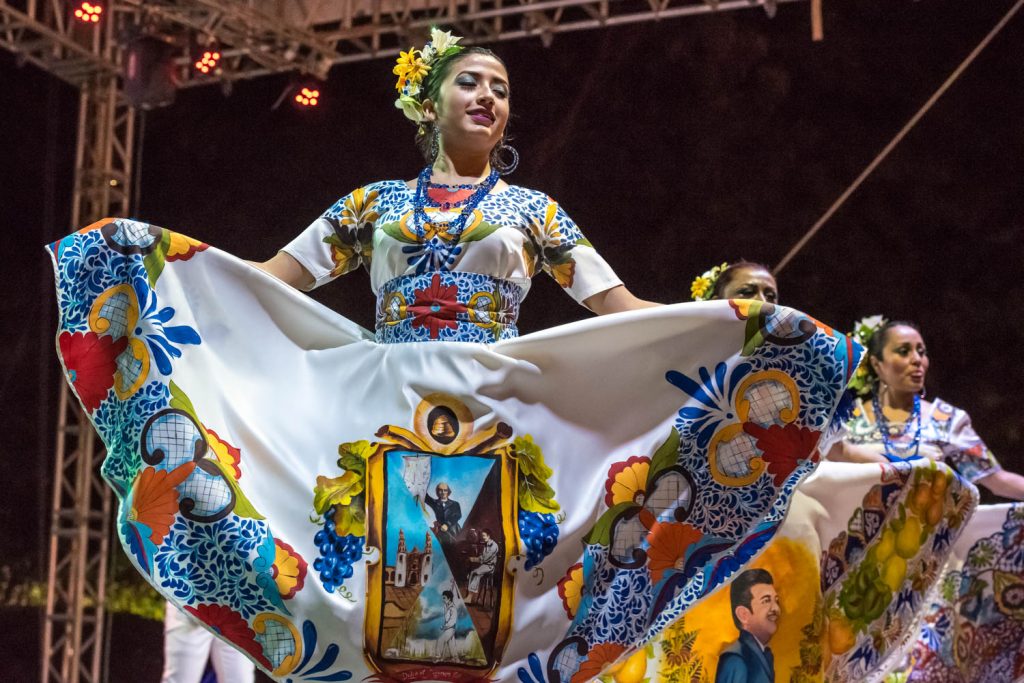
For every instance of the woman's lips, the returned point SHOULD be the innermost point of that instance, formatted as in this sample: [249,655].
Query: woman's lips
[481,118]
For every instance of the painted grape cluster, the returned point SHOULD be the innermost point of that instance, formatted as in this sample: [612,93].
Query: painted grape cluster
[539,532]
[337,555]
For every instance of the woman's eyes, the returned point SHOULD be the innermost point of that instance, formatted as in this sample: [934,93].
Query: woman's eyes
[467,82]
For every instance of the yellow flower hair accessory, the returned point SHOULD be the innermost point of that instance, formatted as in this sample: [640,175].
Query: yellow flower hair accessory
[413,66]
[703,286]
[863,330]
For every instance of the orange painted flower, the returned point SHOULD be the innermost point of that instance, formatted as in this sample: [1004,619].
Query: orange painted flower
[570,589]
[289,569]
[627,481]
[669,542]
[155,499]
[599,658]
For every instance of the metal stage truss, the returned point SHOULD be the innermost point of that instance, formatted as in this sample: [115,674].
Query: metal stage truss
[255,38]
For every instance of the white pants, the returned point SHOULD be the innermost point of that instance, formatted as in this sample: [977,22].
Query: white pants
[186,647]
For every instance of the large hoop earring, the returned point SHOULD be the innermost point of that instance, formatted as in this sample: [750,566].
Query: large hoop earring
[503,166]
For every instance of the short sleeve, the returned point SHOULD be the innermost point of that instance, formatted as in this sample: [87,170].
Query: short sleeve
[341,240]
[966,452]
[567,256]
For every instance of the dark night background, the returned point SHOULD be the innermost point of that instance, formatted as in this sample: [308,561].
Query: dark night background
[675,145]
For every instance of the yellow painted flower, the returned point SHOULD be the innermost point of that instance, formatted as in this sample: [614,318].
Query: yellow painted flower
[555,247]
[182,247]
[289,570]
[228,455]
[627,481]
[570,589]
[352,241]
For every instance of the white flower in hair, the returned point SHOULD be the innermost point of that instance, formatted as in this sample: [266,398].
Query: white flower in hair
[440,41]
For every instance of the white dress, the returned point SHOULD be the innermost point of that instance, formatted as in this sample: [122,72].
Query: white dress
[273,459]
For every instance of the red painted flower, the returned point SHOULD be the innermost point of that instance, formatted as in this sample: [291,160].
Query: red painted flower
[784,447]
[91,361]
[230,625]
[436,307]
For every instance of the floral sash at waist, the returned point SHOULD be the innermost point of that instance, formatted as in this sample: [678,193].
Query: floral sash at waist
[447,306]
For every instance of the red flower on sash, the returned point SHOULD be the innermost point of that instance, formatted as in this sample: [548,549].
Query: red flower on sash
[91,361]
[784,447]
[230,625]
[436,307]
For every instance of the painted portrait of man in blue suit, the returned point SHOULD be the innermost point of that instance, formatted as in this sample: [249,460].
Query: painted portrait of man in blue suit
[755,611]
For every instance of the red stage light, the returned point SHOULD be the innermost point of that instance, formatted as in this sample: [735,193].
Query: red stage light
[207,62]
[307,97]
[89,12]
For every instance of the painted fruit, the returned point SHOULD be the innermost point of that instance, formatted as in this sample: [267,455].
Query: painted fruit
[908,540]
[894,572]
[633,669]
[840,635]
[886,545]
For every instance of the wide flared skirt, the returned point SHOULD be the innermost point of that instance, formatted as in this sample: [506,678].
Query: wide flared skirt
[855,567]
[339,509]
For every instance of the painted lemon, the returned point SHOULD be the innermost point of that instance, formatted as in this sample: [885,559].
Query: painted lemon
[886,545]
[908,540]
[894,572]
[632,670]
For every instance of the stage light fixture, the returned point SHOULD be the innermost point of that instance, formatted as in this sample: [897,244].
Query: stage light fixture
[207,62]
[205,55]
[307,96]
[89,12]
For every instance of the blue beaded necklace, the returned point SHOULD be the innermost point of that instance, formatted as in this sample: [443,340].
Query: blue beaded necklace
[437,253]
[893,451]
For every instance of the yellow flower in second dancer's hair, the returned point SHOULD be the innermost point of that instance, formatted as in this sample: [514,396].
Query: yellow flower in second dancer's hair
[700,287]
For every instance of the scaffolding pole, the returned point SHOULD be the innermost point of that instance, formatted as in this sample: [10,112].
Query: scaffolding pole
[81,506]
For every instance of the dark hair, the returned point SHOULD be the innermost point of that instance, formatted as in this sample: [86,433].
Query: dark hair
[876,345]
[448,594]
[430,89]
[740,590]
[727,275]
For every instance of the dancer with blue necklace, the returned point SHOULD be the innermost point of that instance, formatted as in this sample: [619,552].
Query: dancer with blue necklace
[275,461]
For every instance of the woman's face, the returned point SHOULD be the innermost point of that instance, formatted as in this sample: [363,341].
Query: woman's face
[473,106]
[751,282]
[904,361]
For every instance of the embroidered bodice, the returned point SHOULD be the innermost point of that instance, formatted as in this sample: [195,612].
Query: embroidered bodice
[943,425]
[428,291]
